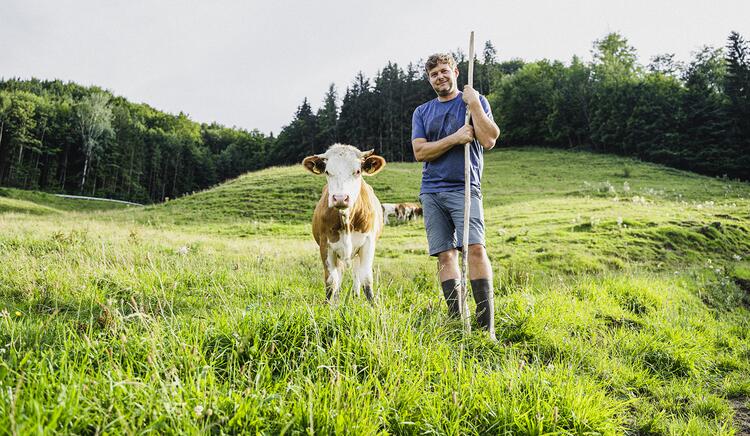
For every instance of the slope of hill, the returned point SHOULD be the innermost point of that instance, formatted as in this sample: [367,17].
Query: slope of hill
[22,201]
[538,205]
[621,304]
[510,176]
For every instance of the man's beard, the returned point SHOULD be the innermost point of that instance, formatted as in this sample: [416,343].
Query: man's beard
[444,92]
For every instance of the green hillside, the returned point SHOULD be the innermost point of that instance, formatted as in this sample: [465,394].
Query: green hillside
[38,203]
[567,211]
[622,307]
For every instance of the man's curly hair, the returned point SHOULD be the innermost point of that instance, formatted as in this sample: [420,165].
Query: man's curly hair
[439,58]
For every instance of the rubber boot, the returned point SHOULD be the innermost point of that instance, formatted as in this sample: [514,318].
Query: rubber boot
[450,291]
[484,296]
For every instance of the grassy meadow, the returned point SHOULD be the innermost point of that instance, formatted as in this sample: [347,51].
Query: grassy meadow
[622,306]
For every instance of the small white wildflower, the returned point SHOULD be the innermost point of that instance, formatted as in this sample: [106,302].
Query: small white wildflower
[626,187]
[198,410]
[737,257]
[183,250]
[619,221]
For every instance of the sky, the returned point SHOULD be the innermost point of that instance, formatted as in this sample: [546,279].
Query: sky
[251,63]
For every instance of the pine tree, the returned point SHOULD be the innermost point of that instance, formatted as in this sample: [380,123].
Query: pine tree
[705,131]
[328,117]
[737,89]
[298,139]
[489,64]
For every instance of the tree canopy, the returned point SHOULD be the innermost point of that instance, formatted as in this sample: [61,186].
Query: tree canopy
[63,137]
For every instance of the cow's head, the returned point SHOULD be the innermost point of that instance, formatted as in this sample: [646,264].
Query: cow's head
[344,166]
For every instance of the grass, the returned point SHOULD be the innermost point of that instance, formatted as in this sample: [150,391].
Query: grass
[39,203]
[619,310]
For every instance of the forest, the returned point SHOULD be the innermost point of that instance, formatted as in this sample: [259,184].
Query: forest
[62,137]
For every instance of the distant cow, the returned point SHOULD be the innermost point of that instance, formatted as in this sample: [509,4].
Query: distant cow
[408,211]
[388,210]
[348,218]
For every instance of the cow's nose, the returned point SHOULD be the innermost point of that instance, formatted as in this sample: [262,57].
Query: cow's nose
[341,201]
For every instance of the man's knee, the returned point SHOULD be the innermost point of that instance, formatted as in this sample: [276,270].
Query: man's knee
[448,257]
[477,252]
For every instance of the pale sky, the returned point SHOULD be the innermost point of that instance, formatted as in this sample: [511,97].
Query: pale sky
[251,63]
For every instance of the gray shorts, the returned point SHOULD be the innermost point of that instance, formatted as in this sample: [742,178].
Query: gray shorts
[444,220]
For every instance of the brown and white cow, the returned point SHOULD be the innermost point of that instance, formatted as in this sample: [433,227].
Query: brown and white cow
[348,219]
[408,211]
[388,210]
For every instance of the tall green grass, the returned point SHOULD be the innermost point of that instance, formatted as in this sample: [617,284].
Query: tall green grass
[619,311]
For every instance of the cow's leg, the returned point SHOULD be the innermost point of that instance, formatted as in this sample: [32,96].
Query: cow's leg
[364,271]
[356,261]
[333,277]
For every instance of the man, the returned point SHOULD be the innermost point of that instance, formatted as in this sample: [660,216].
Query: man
[438,139]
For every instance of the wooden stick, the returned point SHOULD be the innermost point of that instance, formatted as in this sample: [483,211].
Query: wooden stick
[464,291]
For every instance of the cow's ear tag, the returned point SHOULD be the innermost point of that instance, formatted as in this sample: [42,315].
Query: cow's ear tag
[315,164]
[372,165]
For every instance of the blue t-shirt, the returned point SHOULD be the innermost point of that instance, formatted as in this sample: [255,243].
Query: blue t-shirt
[435,120]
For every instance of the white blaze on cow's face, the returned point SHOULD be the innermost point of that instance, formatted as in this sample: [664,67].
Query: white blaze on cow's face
[343,166]
[344,174]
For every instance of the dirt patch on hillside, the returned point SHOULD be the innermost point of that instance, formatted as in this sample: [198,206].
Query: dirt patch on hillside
[741,417]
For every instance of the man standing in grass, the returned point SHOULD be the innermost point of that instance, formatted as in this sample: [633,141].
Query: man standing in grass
[438,138]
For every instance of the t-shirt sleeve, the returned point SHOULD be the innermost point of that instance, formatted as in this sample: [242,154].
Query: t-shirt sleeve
[417,125]
[485,105]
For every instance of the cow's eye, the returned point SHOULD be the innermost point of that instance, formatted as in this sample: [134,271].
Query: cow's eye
[356,173]
[327,174]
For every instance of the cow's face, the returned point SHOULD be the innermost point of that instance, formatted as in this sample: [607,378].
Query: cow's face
[344,166]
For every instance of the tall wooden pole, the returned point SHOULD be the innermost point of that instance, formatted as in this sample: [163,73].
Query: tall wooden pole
[464,291]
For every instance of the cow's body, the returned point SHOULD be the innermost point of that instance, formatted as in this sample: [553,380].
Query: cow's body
[345,225]
[388,210]
[408,211]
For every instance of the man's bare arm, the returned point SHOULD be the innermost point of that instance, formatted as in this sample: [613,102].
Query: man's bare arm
[485,129]
[428,151]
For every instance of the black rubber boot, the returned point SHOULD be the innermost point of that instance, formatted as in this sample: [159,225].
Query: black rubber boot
[450,291]
[484,296]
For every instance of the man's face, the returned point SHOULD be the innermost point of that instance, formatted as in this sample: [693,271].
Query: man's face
[443,79]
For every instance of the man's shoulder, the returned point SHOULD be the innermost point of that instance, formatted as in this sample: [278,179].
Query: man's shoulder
[422,107]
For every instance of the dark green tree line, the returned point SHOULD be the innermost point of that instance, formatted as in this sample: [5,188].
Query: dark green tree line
[692,116]
[62,137]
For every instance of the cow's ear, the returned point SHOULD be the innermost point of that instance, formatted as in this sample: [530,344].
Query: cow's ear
[372,165]
[315,164]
